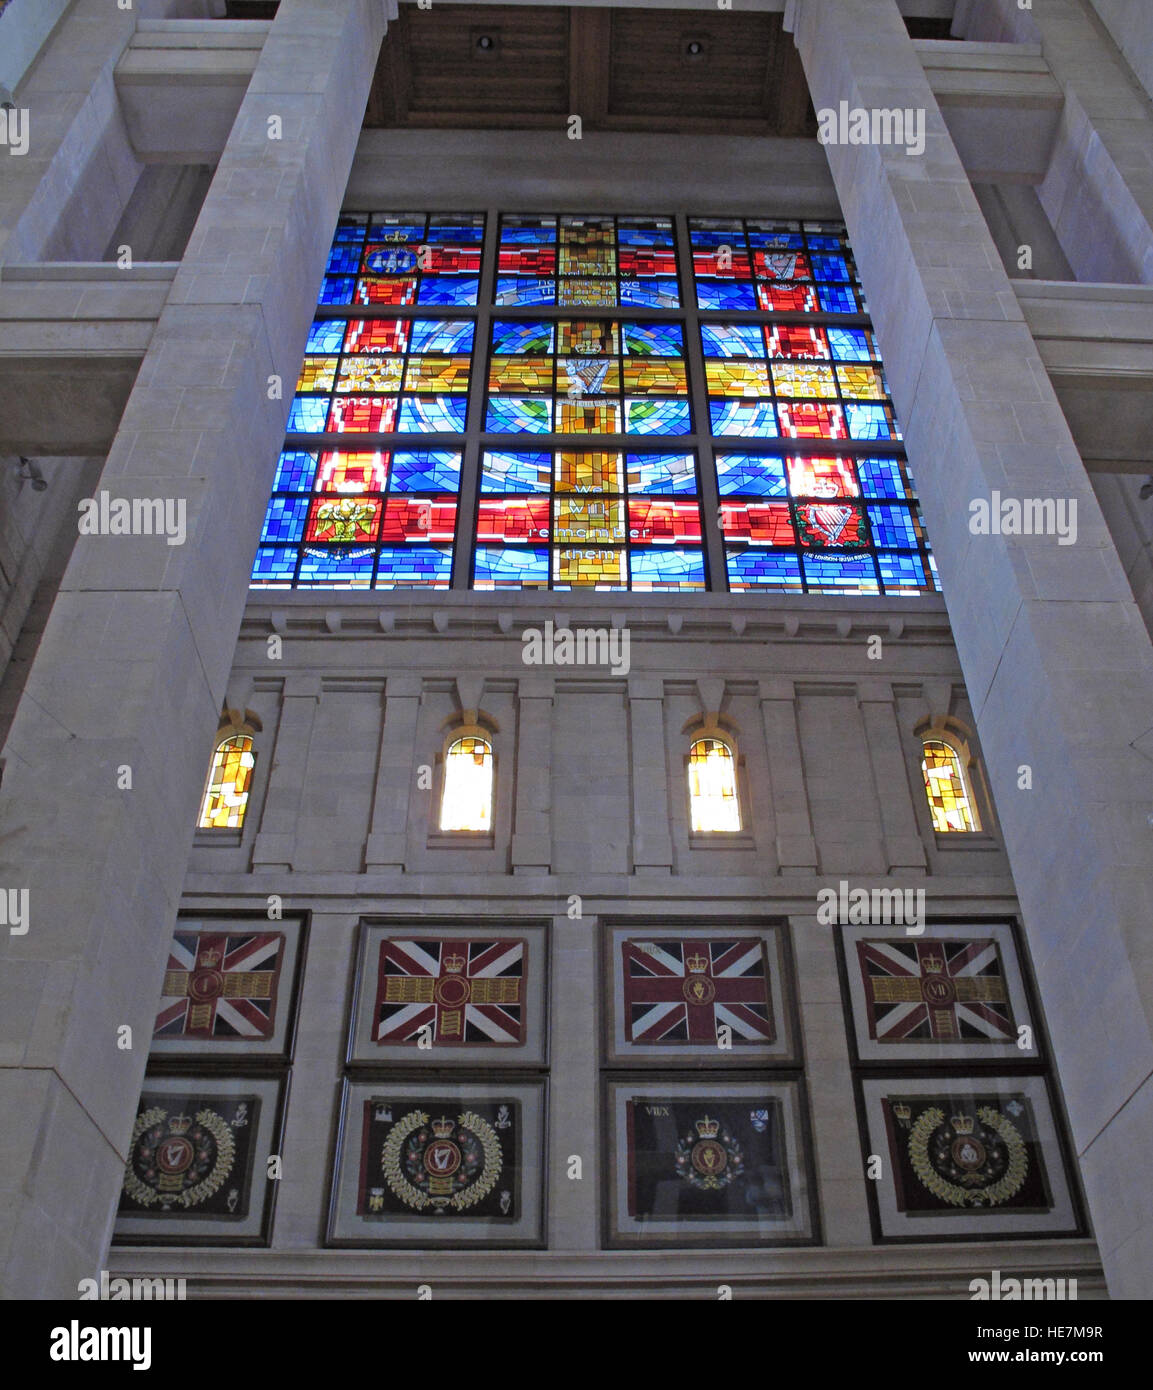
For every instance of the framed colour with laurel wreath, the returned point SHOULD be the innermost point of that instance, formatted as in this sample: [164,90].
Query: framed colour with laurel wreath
[439,1163]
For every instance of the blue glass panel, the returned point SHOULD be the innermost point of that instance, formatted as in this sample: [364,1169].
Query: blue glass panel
[755,419]
[657,417]
[432,414]
[725,294]
[643,235]
[653,339]
[284,520]
[274,567]
[351,227]
[448,289]
[659,568]
[397,227]
[391,260]
[425,470]
[869,422]
[519,415]
[449,227]
[763,569]
[904,572]
[308,415]
[509,567]
[441,335]
[893,526]
[830,268]
[655,294]
[505,472]
[776,241]
[295,471]
[527,230]
[336,568]
[414,566]
[751,475]
[847,574]
[662,474]
[522,336]
[343,260]
[511,289]
[326,335]
[732,340]
[880,478]
[825,243]
[850,345]
[838,299]
[337,289]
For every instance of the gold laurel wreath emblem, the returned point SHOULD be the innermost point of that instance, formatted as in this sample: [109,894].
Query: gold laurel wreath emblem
[225,1155]
[1000,1191]
[409,1193]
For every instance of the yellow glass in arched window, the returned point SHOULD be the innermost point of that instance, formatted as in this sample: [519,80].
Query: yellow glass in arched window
[949,801]
[467,800]
[713,800]
[226,797]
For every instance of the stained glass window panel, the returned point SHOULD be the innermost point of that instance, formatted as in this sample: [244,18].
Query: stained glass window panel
[949,802]
[466,802]
[572,261]
[713,799]
[229,782]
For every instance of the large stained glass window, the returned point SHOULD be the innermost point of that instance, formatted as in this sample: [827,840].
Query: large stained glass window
[229,780]
[950,804]
[750,445]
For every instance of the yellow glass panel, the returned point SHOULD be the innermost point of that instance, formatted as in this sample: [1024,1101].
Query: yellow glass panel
[437,374]
[226,796]
[589,569]
[317,374]
[591,472]
[588,416]
[804,379]
[861,383]
[467,800]
[713,799]
[370,374]
[588,520]
[587,338]
[516,374]
[655,377]
[949,801]
[731,378]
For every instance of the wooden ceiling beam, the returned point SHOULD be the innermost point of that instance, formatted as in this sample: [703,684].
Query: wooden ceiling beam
[590,43]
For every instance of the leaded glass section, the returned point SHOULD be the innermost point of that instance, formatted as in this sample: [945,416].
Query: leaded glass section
[390,258]
[949,802]
[229,782]
[580,260]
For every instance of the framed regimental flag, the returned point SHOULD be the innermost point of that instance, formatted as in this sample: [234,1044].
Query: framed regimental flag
[230,987]
[955,993]
[197,1171]
[450,992]
[689,995]
[696,1163]
[446,1163]
[974,1159]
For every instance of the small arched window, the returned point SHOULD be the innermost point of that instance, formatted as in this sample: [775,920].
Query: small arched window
[229,782]
[950,801]
[466,803]
[713,801]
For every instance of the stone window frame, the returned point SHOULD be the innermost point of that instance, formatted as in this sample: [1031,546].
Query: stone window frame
[233,724]
[468,724]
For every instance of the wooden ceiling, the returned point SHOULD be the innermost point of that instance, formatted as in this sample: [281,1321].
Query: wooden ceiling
[531,67]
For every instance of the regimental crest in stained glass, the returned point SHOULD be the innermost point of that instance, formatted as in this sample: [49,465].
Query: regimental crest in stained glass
[934,991]
[450,991]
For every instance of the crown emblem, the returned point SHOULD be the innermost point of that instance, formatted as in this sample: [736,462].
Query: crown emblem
[453,965]
[180,1124]
[962,1124]
[933,965]
[211,958]
[443,1127]
[697,964]
[902,1112]
[708,1129]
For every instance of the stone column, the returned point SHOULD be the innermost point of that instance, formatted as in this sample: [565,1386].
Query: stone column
[796,847]
[1051,643]
[532,837]
[652,849]
[275,845]
[904,848]
[132,667]
[388,834]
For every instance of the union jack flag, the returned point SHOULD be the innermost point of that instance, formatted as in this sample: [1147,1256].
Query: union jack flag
[221,985]
[681,991]
[936,991]
[467,991]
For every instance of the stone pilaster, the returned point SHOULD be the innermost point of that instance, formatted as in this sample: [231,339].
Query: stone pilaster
[275,845]
[904,848]
[796,846]
[652,850]
[388,835]
[532,835]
